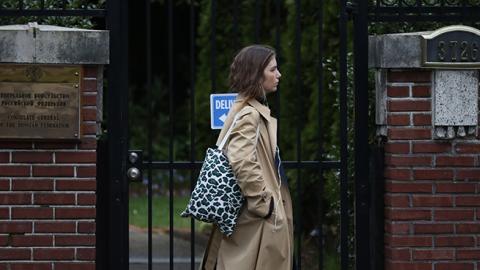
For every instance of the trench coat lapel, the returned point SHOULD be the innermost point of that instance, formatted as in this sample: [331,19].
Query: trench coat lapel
[271,133]
[271,124]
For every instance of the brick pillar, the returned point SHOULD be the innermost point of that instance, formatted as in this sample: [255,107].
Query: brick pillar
[432,191]
[47,187]
[427,115]
[47,196]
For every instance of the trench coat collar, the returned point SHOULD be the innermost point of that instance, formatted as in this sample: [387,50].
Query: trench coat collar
[262,109]
[270,121]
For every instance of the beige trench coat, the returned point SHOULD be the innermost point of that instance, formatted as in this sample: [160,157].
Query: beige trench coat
[257,243]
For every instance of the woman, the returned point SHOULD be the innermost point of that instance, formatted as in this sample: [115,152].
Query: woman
[263,236]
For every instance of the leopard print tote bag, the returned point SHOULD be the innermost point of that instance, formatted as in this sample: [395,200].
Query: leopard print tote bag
[217,198]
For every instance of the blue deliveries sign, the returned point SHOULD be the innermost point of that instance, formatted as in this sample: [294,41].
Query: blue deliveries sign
[220,104]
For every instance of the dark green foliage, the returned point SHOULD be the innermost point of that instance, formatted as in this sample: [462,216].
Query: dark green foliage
[226,43]
[80,22]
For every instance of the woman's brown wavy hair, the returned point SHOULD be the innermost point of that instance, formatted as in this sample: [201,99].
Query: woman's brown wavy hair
[246,71]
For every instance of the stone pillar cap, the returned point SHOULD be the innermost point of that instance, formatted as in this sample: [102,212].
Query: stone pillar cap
[48,44]
[404,50]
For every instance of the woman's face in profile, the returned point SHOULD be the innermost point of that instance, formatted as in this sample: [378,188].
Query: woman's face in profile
[271,76]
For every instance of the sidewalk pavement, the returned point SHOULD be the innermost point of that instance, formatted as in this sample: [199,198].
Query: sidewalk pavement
[161,247]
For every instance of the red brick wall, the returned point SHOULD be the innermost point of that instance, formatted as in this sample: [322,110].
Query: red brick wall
[47,196]
[432,197]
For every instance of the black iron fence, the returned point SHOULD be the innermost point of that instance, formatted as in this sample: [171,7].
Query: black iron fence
[326,143]
[424,10]
[304,170]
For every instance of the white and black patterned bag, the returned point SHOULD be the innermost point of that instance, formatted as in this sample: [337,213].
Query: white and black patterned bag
[217,198]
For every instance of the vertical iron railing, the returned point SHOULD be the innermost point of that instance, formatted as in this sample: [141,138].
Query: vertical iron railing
[117,104]
[257,21]
[148,84]
[192,128]
[171,91]
[236,33]
[344,200]
[298,85]
[279,58]
[362,190]
[213,44]
[320,212]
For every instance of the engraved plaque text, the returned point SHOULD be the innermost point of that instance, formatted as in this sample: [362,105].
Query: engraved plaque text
[39,102]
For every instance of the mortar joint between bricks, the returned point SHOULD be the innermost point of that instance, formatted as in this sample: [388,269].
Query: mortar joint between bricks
[399,84]
[398,113]
[74,151]
[409,99]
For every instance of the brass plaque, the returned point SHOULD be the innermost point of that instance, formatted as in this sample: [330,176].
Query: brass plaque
[39,102]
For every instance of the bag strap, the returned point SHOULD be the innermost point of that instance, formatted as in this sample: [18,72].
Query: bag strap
[225,138]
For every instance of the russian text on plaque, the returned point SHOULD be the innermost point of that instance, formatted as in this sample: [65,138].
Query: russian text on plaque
[39,102]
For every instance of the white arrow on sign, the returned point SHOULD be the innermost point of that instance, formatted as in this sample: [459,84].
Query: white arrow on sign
[223,117]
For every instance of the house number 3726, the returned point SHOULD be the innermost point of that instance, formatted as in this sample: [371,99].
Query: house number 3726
[453,51]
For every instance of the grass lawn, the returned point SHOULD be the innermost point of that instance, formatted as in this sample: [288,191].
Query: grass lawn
[138,212]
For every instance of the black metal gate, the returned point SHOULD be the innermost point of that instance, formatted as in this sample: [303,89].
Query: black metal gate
[349,163]
[299,165]
[360,212]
